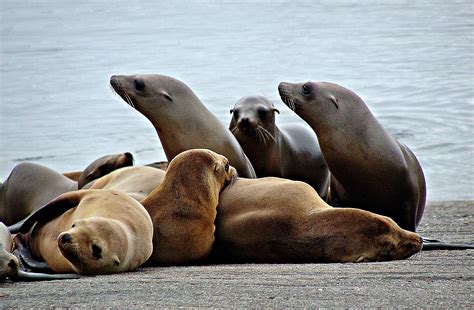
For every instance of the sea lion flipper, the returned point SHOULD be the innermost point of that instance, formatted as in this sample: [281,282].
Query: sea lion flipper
[34,276]
[15,228]
[433,245]
[53,209]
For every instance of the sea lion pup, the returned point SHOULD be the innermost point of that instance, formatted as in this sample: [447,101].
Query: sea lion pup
[90,232]
[370,169]
[183,207]
[137,182]
[288,151]
[275,220]
[10,266]
[100,167]
[179,117]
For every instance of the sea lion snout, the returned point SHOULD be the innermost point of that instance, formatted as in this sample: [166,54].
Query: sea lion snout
[65,238]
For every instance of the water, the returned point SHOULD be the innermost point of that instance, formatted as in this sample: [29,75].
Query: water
[411,62]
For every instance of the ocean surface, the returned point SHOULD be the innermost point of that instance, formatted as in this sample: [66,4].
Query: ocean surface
[411,61]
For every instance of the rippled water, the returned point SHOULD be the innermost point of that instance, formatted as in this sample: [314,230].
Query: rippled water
[411,62]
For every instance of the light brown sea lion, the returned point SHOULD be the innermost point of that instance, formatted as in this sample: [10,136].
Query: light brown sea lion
[369,168]
[183,206]
[137,182]
[90,232]
[289,151]
[179,117]
[30,186]
[275,220]
[10,266]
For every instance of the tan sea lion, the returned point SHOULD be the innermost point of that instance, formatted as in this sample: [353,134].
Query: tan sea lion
[275,220]
[369,168]
[179,117]
[30,186]
[90,232]
[183,207]
[289,151]
[137,182]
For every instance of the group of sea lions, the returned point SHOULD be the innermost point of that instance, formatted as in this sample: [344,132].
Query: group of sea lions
[345,191]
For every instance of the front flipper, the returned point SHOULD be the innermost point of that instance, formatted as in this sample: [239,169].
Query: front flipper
[433,245]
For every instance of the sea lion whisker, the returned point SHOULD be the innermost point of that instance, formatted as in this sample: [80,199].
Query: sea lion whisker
[267,132]
[261,136]
[234,129]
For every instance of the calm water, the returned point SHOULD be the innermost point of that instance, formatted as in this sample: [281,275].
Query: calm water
[411,62]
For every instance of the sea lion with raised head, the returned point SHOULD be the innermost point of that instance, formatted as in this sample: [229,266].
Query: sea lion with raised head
[289,151]
[369,168]
[273,220]
[179,117]
[90,232]
[183,207]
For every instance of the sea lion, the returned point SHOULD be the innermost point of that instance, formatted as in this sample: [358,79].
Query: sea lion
[289,151]
[137,182]
[183,207]
[273,220]
[10,266]
[30,186]
[179,117]
[90,232]
[103,166]
[369,168]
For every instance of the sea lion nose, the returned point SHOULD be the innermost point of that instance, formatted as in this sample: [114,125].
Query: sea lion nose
[66,238]
[244,121]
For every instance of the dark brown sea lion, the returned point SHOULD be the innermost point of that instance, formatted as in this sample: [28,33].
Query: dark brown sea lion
[90,232]
[179,117]
[289,151]
[183,206]
[275,220]
[369,168]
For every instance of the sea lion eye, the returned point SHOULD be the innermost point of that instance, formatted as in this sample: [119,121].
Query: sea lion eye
[226,167]
[73,225]
[96,251]
[139,84]
[306,90]
[236,114]
[262,113]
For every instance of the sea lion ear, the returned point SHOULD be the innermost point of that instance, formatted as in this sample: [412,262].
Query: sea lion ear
[276,110]
[335,101]
[53,209]
[216,167]
[231,111]
[116,261]
[167,96]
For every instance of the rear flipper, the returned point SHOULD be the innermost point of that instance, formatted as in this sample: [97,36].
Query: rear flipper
[434,244]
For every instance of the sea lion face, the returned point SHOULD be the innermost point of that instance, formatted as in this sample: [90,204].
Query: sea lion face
[94,245]
[152,94]
[373,238]
[319,100]
[8,263]
[254,116]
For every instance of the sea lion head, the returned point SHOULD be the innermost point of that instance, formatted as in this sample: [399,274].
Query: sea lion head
[94,245]
[8,263]
[362,236]
[202,164]
[327,103]
[103,166]
[254,117]
[154,95]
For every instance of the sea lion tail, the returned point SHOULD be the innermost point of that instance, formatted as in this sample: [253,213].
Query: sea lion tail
[434,245]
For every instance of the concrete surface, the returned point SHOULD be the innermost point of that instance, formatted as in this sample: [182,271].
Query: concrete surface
[437,279]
